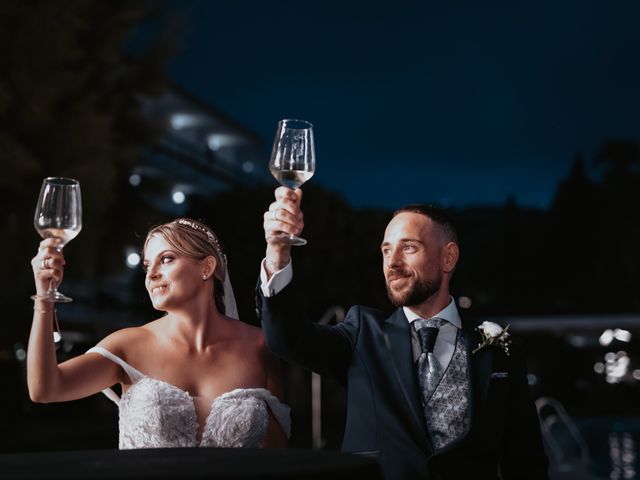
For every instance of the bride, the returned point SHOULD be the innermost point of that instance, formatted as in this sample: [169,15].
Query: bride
[194,377]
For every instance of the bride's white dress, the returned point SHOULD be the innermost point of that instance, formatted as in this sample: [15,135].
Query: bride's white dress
[156,414]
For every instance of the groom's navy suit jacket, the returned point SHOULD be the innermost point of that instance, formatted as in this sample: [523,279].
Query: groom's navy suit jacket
[372,355]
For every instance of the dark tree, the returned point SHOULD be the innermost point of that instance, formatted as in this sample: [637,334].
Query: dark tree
[620,233]
[621,161]
[592,236]
[70,106]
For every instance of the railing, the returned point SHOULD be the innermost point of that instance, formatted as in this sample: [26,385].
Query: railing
[557,427]
[316,384]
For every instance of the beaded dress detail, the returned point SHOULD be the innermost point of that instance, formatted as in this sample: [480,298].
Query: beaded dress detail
[156,414]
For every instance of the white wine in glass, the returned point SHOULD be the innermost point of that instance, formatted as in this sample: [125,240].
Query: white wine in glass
[293,161]
[58,215]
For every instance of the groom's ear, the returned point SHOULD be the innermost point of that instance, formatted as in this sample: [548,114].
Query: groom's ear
[450,257]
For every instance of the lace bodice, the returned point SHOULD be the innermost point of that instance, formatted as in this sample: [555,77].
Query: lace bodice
[156,414]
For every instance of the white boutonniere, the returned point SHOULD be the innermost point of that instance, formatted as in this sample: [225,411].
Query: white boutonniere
[493,335]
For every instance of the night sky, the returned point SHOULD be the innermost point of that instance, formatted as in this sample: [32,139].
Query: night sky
[455,102]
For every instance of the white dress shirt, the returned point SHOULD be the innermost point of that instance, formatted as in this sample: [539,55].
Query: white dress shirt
[278,280]
[445,341]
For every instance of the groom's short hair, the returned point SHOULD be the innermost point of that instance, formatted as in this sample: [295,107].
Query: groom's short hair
[437,215]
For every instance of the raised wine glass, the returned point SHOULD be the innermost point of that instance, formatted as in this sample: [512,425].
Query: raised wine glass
[293,161]
[59,215]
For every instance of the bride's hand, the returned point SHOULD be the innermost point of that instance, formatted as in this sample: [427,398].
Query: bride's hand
[48,265]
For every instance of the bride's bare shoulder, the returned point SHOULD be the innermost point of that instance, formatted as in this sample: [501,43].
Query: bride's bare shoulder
[246,331]
[127,339]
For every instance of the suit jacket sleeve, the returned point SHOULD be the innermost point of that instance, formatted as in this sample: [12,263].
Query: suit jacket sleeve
[523,452]
[290,334]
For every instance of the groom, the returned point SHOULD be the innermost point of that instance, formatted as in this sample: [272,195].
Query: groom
[421,397]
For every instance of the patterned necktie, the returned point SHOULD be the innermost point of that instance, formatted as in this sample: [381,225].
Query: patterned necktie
[429,369]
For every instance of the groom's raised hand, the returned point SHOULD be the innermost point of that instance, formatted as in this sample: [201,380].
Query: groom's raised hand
[284,215]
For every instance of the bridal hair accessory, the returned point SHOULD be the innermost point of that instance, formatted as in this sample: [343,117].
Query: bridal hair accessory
[213,240]
[493,335]
[231,309]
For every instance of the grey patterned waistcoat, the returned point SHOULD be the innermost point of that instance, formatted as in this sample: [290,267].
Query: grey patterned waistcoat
[447,411]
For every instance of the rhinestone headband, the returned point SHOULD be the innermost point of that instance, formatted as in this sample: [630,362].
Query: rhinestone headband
[213,240]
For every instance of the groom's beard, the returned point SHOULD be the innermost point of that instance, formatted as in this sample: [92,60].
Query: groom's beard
[418,292]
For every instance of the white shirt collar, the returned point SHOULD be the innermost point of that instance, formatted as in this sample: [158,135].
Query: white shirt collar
[449,313]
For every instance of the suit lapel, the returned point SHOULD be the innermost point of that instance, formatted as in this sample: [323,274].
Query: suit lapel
[480,365]
[398,342]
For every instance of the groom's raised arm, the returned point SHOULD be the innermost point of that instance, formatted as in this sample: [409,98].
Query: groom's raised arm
[289,332]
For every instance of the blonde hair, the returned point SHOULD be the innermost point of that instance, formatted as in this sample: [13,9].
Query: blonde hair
[195,240]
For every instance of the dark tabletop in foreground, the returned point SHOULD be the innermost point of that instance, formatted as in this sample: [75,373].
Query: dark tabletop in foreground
[189,463]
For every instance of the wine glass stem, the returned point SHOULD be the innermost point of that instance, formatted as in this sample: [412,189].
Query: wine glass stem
[53,288]
[53,285]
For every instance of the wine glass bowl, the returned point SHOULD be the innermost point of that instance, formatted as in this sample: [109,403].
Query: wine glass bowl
[58,215]
[293,161]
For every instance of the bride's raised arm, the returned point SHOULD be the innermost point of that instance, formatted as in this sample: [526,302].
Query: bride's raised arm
[76,378]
